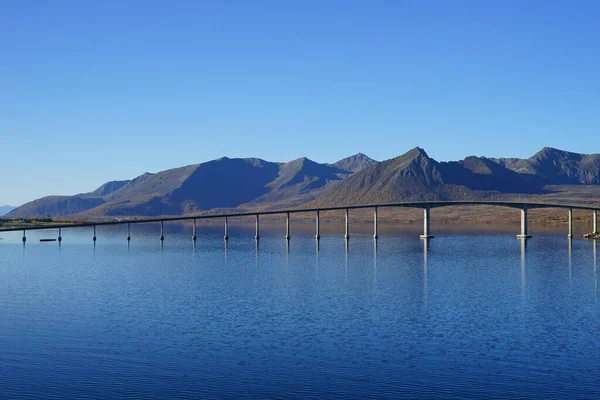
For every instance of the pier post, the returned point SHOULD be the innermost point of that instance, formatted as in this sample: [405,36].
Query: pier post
[194,237]
[375,236]
[347,235]
[226,236]
[162,231]
[595,221]
[129,231]
[94,237]
[524,234]
[426,224]
[257,233]
[24,237]
[317,227]
[287,226]
[570,234]
[59,235]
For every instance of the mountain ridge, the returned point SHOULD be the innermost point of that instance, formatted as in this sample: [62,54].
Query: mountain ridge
[252,183]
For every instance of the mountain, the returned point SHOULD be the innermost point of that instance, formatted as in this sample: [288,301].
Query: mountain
[222,183]
[411,176]
[255,184]
[558,167]
[109,187]
[6,209]
[414,176]
[355,163]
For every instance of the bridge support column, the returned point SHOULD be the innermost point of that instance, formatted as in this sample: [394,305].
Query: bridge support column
[257,234]
[524,234]
[59,235]
[317,227]
[347,234]
[94,237]
[226,235]
[24,237]
[287,226]
[570,234]
[162,230]
[595,221]
[194,237]
[426,223]
[129,232]
[375,236]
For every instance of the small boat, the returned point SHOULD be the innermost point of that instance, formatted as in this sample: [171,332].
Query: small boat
[47,240]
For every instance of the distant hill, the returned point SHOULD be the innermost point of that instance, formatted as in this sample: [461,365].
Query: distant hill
[355,163]
[6,209]
[222,183]
[558,167]
[252,184]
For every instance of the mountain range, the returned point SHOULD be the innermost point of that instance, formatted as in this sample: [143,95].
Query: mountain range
[251,183]
[6,209]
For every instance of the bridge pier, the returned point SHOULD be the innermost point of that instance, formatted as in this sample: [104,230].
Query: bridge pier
[287,226]
[317,227]
[226,235]
[426,223]
[94,237]
[162,231]
[257,234]
[24,239]
[59,235]
[524,234]
[570,234]
[375,236]
[128,231]
[347,234]
[595,221]
[194,237]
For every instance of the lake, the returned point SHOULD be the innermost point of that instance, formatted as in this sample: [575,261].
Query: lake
[474,313]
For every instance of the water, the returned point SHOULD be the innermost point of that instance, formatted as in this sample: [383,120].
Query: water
[476,315]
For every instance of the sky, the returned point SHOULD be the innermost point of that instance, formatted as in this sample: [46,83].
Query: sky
[93,91]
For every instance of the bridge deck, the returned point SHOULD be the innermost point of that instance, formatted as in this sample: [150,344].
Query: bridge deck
[420,204]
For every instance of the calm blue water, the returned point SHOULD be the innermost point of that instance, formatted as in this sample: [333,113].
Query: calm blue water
[473,316]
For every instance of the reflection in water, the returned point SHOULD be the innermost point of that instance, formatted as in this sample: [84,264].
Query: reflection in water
[523,271]
[426,245]
[375,261]
[595,267]
[346,250]
[278,328]
[570,259]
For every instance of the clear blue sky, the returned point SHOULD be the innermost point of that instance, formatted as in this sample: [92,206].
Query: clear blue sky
[92,91]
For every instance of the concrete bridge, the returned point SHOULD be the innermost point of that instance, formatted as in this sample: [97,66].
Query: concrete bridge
[425,205]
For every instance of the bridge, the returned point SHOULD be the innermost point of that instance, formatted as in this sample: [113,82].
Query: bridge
[425,205]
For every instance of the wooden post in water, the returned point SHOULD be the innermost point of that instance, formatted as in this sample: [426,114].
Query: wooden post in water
[24,238]
[128,231]
[317,227]
[194,237]
[287,226]
[59,235]
[595,221]
[94,237]
[226,235]
[162,230]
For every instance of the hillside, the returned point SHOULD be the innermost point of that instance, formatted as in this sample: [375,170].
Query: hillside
[227,184]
